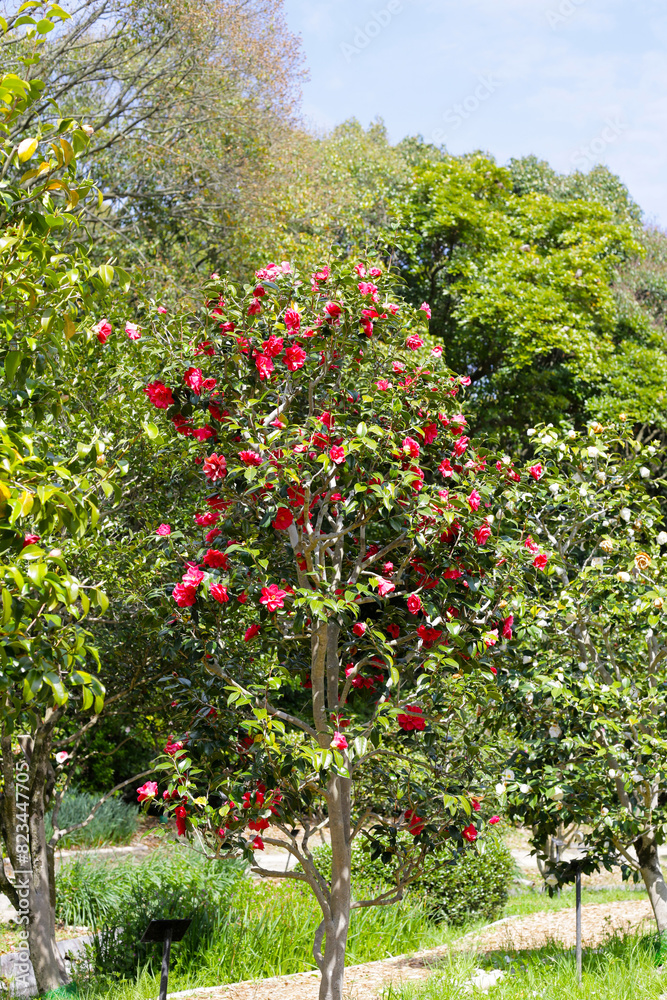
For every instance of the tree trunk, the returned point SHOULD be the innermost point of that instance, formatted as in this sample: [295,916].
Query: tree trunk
[649,863]
[333,966]
[47,963]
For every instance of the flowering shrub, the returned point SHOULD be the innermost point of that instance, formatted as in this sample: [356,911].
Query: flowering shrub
[344,572]
[582,683]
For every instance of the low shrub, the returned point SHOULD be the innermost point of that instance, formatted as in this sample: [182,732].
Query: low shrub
[115,822]
[456,888]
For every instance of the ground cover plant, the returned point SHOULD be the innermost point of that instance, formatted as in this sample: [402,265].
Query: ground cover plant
[114,822]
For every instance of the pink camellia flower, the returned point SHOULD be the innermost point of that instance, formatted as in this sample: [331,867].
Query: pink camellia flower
[273,597]
[382,384]
[414,342]
[410,447]
[414,604]
[264,365]
[436,352]
[482,534]
[295,357]
[470,834]
[339,742]
[215,467]
[292,319]
[133,331]
[322,274]
[172,748]
[460,445]
[385,587]
[360,269]
[337,454]
[507,627]
[159,395]
[251,632]
[490,638]
[332,310]
[425,307]
[250,458]
[536,470]
[283,519]
[30,539]
[411,719]
[531,545]
[161,310]
[465,380]
[445,468]
[62,756]
[219,593]
[163,530]
[494,820]
[375,272]
[102,330]
[194,379]
[359,628]
[430,432]
[147,791]
[368,288]
[474,500]
[540,561]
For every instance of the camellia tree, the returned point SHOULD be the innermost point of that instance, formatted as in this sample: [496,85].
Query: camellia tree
[343,588]
[583,686]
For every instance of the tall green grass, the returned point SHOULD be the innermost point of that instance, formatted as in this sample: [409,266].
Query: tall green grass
[115,822]
[623,969]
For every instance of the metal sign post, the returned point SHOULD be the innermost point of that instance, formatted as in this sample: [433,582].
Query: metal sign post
[165,931]
[578,902]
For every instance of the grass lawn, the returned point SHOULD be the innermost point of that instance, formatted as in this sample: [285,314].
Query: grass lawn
[623,969]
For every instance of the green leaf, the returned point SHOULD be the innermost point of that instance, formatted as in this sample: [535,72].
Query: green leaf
[12,362]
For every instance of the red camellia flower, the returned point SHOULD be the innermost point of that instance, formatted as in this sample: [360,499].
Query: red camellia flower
[470,834]
[283,519]
[507,627]
[250,458]
[445,468]
[430,432]
[172,748]
[273,597]
[482,534]
[536,470]
[163,530]
[359,628]
[531,545]
[147,791]
[264,366]
[416,823]
[429,635]
[337,454]
[251,632]
[273,346]
[332,310]
[215,467]
[257,844]
[219,593]
[102,330]
[474,500]
[255,308]
[184,594]
[540,561]
[411,719]
[194,379]
[30,539]
[382,384]
[159,395]
[180,812]
[292,319]
[393,630]
[414,604]
[295,357]
[494,820]
[414,342]
[216,559]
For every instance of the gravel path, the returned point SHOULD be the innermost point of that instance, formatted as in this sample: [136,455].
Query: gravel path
[366,982]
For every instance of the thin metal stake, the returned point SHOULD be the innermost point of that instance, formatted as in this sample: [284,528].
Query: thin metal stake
[578,897]
[166,948]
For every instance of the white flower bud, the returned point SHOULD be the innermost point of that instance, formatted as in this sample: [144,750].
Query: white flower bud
[662,538]
[623,577]
[644,472]
[626,513]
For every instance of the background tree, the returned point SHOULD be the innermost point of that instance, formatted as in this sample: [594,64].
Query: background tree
[582,687]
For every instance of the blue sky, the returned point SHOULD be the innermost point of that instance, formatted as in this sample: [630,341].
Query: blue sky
[576,82]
